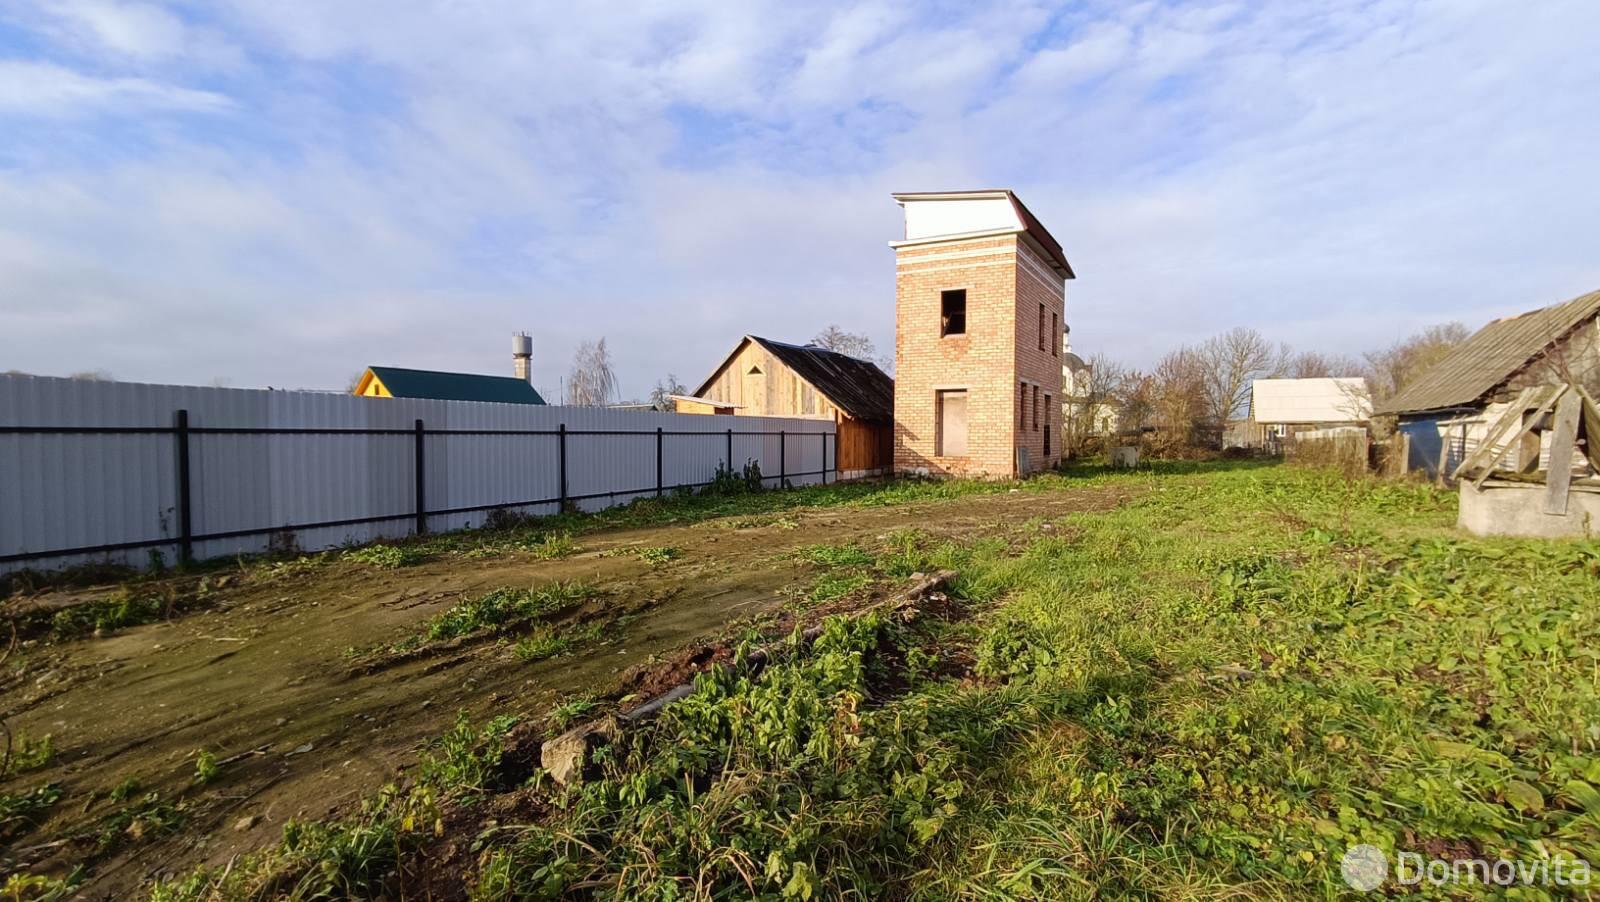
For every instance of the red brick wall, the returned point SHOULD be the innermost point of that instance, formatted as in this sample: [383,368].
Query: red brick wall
[1037,284]
[999,349]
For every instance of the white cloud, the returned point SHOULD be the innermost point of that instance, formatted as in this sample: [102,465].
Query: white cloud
[135,29]
[406,183]
[49,90]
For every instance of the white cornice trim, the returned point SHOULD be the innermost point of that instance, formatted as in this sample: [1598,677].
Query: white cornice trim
[962,236]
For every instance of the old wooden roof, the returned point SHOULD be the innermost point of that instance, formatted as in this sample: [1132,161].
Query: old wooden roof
[855,386]
[1490,358]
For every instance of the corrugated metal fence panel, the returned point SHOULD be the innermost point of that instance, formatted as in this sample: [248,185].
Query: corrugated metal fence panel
[62,491]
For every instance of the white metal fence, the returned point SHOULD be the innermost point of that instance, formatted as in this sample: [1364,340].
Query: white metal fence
[114,470]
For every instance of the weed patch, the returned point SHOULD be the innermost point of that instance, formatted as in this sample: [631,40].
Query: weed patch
[386,557]
[504,607]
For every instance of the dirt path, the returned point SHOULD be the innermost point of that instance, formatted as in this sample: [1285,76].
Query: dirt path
[267,678]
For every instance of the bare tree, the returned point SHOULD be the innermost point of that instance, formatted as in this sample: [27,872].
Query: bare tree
[661,395]
[1314,365]
[853,344]
[1089,396]
[593,381]
[1228,364]
[1389,371]
[1180,403]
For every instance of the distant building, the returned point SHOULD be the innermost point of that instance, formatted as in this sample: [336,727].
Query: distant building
[1445,412]
[980,293]
[398,382]
[762,377]
[1282,408]
[1081,414]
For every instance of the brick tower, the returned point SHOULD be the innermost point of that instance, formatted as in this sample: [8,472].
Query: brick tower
[980,290]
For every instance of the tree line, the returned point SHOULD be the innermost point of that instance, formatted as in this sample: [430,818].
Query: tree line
[1193,392]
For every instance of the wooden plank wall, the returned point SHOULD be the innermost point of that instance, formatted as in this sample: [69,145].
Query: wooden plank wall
[864,446]
[777,392]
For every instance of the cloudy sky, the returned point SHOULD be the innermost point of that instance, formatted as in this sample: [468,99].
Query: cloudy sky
[283,191]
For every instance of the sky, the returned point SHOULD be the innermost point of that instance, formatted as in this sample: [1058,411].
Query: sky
[281,192]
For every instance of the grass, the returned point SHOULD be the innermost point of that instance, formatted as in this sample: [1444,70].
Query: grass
[27,753]
[1212,691]
[1316,664]
[387,557]
[544,642]
[504,607]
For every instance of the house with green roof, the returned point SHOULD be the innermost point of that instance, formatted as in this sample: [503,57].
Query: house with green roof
[399,382]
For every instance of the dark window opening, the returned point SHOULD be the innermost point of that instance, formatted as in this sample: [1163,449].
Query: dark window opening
[1055,335]
[953,312]
[1041,327]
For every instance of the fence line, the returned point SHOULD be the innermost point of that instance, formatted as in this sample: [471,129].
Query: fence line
[86,480]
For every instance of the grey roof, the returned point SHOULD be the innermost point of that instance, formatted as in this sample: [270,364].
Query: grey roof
[405,383]
[1491,357]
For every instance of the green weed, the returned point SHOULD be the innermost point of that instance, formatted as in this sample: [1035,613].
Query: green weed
[833,586]
[570,712]
[22,809]
[386,557]
[206,767]
[835,556]
[503,607]
[28,754]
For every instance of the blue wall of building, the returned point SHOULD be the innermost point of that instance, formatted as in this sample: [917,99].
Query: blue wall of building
[1426,441]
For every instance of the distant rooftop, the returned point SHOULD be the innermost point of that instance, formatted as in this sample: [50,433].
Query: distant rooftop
[1492,356]
[440,386]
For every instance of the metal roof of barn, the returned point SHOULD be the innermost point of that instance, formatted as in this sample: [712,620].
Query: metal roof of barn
[440,386]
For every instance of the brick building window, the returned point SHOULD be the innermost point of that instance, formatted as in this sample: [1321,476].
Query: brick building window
[1036,408]
[1041,327]
[952,438]
[953,312]
[1022,405]
[1055,334]
[1046,425]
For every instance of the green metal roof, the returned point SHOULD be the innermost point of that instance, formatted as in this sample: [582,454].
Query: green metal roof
[404,383]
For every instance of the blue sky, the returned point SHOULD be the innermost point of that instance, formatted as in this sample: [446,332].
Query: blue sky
[283,191]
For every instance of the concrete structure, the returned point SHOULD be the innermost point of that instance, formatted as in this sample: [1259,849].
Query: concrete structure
[1499,508]
[522,356]
[762,377]
[980,291]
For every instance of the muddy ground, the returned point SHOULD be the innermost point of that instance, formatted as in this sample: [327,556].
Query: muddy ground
[285,679]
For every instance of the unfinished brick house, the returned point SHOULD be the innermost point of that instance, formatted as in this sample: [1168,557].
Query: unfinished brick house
[980,290]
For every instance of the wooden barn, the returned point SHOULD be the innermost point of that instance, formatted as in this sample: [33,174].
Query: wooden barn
[762,377]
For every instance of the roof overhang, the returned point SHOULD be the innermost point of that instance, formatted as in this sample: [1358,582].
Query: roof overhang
[1020,222]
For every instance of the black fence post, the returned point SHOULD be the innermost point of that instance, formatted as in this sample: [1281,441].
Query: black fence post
[730,449]
[422,482]
[783,455]
[185,498]
[825,458]
[561,443]
[659,456]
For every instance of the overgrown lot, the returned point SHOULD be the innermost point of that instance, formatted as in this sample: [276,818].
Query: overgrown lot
[1212,690]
